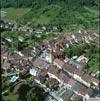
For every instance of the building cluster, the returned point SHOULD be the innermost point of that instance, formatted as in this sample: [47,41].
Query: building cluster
[64,78]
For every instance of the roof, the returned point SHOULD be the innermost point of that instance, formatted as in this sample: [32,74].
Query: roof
[14,78]
[27,51]
[77,86]
[66,78]
[43,72]
[56,50]
[58,62]
[54,70]
[72,82]
[52,82]
[86,78]
[69,67]
[95,80]
[39,62]
[33,72]
[66,95]
[84,91]
[78,98]
[78,72]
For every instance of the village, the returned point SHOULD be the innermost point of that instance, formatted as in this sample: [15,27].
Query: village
[66,79]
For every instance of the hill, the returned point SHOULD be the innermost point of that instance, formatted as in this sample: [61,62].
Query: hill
[69,14]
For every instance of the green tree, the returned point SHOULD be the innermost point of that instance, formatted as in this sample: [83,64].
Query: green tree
[32,96]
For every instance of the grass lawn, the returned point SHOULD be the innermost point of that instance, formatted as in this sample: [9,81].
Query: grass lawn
[15,13]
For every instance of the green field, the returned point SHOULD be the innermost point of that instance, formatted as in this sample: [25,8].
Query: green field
[15,13]
[67,17]
[69,14]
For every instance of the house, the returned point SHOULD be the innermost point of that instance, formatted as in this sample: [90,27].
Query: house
[76,97]
[66,95]
[71,82]
[40,63]
[76,87]
[26,31]
[95,81]
[33,72]
[82,58]
[78,74]
[76,63]
[78,37]
[54,72]
[59,63]
[65,78]
[5,65]
[27,51]
[43,76]
[52,83]
[69,68]
[4,53]
[43,72]
[39,31]
[14,58]
[56,52]
[85,92]
[47,56]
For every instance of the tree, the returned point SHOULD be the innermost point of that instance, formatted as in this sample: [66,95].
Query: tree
[32,96]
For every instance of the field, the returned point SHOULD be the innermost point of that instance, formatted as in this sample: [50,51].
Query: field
[68,14]
[15,13]
[67,17]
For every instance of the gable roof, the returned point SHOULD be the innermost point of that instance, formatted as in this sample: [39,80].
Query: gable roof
[69,67]
[58,62]
[54,70]
[39,62]
[72,82]
[84,91]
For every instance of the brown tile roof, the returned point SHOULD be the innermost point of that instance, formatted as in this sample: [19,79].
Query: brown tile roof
[86,78]
[27,51]
[65,97]
[54,70]
[66,79]
[52,82]
[84,91]
[89,78]
[78,72]
[59,62]
[71,82]
[95,80]
[43,72]
[69,67]
[39,62]
[78,98]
